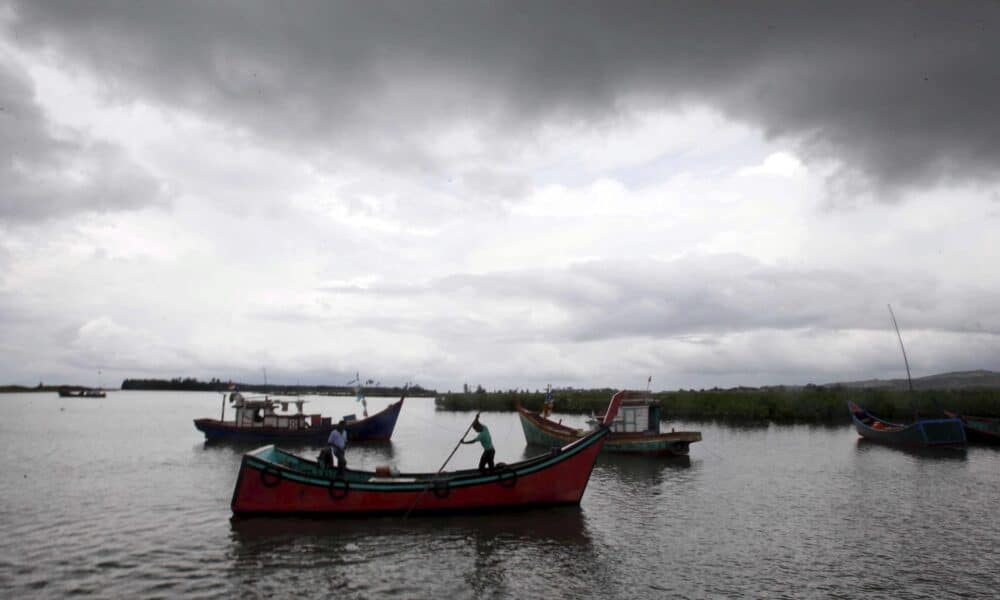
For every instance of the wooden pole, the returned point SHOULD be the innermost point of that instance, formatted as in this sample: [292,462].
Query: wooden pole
[909,380]
[424,491]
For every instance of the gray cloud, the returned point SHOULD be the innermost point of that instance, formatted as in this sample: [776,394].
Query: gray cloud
[45,174]
[693,299]
[901,93]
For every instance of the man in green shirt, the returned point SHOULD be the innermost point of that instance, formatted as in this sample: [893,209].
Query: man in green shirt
[483,437]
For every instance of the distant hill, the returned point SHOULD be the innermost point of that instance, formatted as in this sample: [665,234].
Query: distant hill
[945,381]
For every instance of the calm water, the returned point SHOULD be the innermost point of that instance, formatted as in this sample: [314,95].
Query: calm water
[121,497]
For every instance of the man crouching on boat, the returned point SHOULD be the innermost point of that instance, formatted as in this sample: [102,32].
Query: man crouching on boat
[483,437]
[338,443]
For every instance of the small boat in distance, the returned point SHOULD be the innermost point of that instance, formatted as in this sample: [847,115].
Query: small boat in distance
[259,420]
[984,430]
[922,432]
[272,481]
[70,392]
[635,430]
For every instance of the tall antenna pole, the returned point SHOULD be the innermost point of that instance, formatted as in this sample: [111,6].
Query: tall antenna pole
[909,380]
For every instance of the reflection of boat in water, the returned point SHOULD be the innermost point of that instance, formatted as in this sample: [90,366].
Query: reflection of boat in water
[259,420]
[627,471]
[433,556]
[69,392]
[983,430]
[636,430]
[272,481]
[562,524]
[922,432]
[922,452]
[639,466]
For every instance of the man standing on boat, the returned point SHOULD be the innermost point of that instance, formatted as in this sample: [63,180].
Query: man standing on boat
[483,437]
[338,443]
[547,405]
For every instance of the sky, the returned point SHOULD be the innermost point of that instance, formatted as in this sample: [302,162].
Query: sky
[505,194]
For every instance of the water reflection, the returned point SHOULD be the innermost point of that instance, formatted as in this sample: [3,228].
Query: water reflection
[865,445]
[488,554]
[564,525]
[639,472]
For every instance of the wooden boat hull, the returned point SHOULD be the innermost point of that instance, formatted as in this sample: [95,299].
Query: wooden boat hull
[273,481]
[923,433]
[378,427]
[982,430]
[543,432]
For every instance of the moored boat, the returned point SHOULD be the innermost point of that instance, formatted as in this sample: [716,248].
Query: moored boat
[67,392]
[922,432]
[635,430]
[983,430]
[273,481]
[259,420]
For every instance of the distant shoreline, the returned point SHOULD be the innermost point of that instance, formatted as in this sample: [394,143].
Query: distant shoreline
[215,385]
[782,404]
[809,404]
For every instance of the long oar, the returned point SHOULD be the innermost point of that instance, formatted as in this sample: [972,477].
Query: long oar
[424,491]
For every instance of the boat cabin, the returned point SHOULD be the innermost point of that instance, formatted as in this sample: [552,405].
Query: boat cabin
[637,415]
[263,412]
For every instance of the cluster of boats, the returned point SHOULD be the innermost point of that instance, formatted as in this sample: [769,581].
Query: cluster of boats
[275,481]
[78,392]
[952,430]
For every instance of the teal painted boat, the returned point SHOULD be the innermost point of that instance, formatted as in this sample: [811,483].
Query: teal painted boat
[983,430]
[636,430]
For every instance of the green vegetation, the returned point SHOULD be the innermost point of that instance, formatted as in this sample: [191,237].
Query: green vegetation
[811,403]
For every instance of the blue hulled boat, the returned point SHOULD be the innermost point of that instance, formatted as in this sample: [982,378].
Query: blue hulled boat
[922,433]
[259,420]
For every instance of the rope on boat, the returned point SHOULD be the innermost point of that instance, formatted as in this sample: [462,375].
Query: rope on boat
[710,451]
[432,423]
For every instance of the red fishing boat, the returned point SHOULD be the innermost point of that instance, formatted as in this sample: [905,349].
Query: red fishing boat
[272,481]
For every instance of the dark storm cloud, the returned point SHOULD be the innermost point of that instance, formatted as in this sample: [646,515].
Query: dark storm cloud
[44,174]
[903,93]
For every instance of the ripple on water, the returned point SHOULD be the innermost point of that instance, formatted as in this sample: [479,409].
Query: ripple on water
[769,512]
